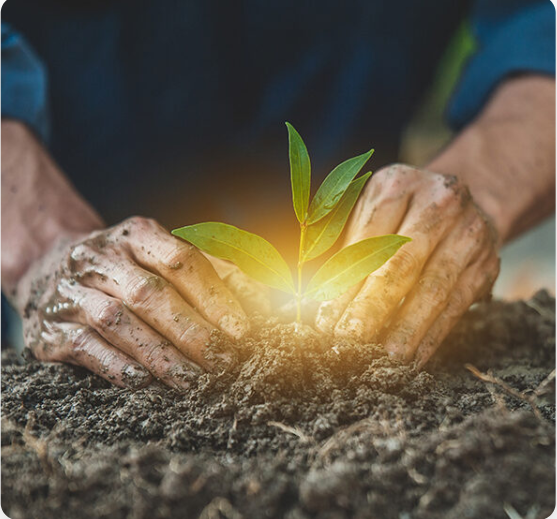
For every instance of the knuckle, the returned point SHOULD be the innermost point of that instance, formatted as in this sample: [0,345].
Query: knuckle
[143,289]
[80,259]
[390,192]
[392,182]
[109,314]
[194,335]
[151,356]
[453,192]
[435,287]
[397,170]
[98,240]
[181,254]
[95,237]
[447,197]
[79,252]
[154,355]
[404,263]
[79,343]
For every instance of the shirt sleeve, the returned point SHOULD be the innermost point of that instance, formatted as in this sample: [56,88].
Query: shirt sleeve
[512,36]
[24,83]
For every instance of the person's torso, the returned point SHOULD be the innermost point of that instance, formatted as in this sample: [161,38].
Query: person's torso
[157,104]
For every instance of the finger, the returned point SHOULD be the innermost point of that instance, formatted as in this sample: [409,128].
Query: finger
[429,296]
[113,321]
[81,345]
[330,312]
[381,208]
[191,274]
[156,302]
[252,295]
[382,292]
[384,289]
[473,285]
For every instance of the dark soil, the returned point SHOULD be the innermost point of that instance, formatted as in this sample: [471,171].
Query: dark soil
[330,430]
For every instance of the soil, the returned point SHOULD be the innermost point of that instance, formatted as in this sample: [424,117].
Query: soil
[332,430]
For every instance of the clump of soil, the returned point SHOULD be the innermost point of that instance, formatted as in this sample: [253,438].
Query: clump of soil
[333,430]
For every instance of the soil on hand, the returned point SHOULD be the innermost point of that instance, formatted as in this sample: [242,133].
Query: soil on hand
[331,429]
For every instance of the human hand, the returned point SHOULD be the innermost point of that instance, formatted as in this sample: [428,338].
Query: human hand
[255,297]
[129,303]
[411,303]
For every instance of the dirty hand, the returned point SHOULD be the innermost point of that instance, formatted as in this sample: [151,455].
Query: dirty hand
[129,303]
[411,303]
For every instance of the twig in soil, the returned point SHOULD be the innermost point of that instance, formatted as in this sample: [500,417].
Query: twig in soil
[498,400]
[540,310]
[513,514]
[489,377]
[292,430]
[380,428]
[511,511]
[542,389]
[341,436]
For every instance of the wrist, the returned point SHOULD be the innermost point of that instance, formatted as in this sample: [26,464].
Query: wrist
[39,205]
[465,158]
[507,155]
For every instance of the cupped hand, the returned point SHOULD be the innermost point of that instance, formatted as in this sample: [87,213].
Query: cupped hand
[129,303]
[411,303]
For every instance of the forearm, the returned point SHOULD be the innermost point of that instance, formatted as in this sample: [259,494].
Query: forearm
[39,205]
[507,156]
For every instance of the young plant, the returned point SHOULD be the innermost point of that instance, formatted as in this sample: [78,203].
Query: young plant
[321,223]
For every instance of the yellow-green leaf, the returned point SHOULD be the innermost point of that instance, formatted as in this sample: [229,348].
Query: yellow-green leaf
[352,264]
[321,236]
[334,186]
[251,253]
[300,173]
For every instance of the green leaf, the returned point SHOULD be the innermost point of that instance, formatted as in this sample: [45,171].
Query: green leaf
[251,253]
[321,236]
[352,264]
[334,186]
[300,173]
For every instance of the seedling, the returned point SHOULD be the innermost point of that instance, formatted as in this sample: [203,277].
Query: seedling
[321,223]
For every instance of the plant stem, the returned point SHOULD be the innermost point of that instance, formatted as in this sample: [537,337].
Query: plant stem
[300,265]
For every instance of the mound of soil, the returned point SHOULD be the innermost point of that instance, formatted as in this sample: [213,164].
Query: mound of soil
[333,430]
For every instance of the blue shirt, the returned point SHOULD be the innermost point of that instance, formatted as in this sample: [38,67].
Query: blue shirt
[143,102]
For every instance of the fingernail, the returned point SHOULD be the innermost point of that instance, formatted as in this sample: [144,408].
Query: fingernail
[135,377]
[234,325]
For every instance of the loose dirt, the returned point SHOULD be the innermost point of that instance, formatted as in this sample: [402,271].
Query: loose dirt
[331,429]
